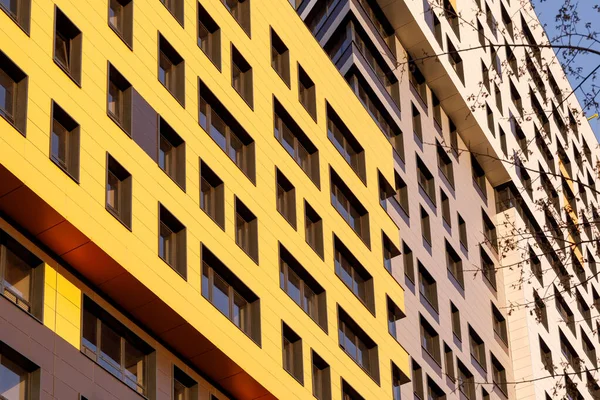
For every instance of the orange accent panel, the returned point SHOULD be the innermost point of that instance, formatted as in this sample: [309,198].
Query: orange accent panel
[63,238]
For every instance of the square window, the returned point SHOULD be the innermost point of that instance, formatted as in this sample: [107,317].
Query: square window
[118,191]
[209,36]
[172,242]
[120,19]
[64,142]
[13,94]
[171,69]
[246,230]
[280,57]
[67,46]
[171,153]
[241,76]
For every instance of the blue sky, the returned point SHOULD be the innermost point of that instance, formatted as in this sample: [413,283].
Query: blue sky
[547,11]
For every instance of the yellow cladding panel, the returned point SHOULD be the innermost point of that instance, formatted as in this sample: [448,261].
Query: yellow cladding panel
[83,203]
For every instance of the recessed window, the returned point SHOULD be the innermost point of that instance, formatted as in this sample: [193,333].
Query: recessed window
[445,164]
[246,230]
[417,80]
[226,132]
[67,46]
[539,309]
[302,287]
[240,10]
[455,316]
[209,36]
[280,57]
[409,263]
[466,381]
[171,153]
[241,76]
[462,231]
[346,143]
[477,348]
[292,353]
[390,252]
[430,341]
[499,323]
[184,387]
[454,263]
[119,99]
[21,276]
[175,7]
[172,242]
[321,378]
[416,120]
[18,375]
[13,93]
[286,198]
[230,295]
[358,345]
[455,59]
[349,207]
[19,11]
[296,143]
[426,180]
[479,176]
[428,287]
[64,142]
[433,391]
[446,214]
[425,226]
[417,380]
[437,110]
[452,17]
[546,356]
[449,363]
[398,379]
[114,347]
[348,392]
[487,268]
[499,375]
[118,191]
[212,195]
[313,227]
[353,274]
[171,69]
[394,314]
[120,19]
[401,194]
[307,92]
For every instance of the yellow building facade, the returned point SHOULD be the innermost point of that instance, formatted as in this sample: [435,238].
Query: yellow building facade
[62,217]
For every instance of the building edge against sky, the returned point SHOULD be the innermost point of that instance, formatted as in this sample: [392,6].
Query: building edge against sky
[174,177]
